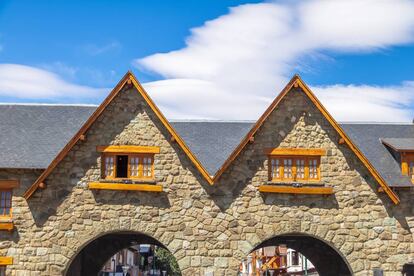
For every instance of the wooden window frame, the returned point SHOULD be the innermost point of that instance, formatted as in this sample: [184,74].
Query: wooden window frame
[140,175]
[406,158]
[294,159]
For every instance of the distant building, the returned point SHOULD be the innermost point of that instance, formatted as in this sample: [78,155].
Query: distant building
[275,261]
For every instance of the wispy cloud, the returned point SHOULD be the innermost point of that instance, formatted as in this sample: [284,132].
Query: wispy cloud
[95,50]
[234,65]
[25,82]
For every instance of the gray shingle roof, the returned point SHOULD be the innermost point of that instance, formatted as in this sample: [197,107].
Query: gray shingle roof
[368,138]
[399,144]
[32,135]
[212,142]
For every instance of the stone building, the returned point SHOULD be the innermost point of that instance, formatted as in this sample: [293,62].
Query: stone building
[76,179]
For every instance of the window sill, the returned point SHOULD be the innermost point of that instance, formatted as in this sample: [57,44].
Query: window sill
[125,187]
[4,260]
[6,224]
[282,189]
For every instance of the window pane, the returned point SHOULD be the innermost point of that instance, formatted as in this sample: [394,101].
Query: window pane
[147,166]
[300,168]
[287,163]
[313,168]
[411,169]
[275,168]
[5,203]
[109,166]
[133,166]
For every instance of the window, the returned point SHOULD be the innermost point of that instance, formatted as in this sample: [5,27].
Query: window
[294,168]
[138,166]
[407,165]
[5,203]
[295,258]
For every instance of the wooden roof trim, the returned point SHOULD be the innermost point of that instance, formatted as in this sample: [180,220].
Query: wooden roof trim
[128,77]
[394,198]
[296,81]
[410,151]
[172,131]
[252,132]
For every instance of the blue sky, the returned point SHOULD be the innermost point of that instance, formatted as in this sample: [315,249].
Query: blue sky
[212,59]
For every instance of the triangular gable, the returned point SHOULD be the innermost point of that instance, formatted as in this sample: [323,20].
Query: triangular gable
[128,79]
[296,81]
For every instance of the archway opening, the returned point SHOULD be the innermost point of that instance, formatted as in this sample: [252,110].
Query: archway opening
[122,253]
[294,254]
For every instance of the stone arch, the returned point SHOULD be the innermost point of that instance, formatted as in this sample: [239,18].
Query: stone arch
[96,251]
[327,259]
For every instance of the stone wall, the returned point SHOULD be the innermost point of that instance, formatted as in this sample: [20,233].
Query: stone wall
[210,228]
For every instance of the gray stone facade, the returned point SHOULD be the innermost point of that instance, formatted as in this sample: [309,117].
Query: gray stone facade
[207,228]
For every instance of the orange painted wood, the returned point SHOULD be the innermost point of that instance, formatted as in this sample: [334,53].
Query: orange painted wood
[296,190]
[9,183]
[6,226]
[296,151]
[4,260]
[127,149]
[296,81]
[125,187]
[128,78]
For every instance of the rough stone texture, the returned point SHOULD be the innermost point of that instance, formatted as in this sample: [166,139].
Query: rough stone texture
[208,228]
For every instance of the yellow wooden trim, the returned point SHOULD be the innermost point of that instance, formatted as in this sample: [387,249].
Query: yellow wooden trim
[9,183]
[4,260]
[125,187]
[296,190]
[297,82]
[177,138]
[127,79]
[394,198]
[295,151]
[127,149]
[294,177]
[6,226]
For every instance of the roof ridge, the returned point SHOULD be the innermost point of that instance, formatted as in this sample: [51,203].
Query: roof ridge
[47,104]
[209,121]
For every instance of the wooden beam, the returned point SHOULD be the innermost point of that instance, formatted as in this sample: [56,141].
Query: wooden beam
[251,139]
[128,77]
[82,137]
[4,260]
[341,141]
[295,151]
[42,185]
[9,226]
[9,183]
[128,149]
[297,81]
[125,187]
[296,190]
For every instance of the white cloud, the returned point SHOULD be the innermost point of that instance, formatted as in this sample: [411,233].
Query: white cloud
[234,65]
[369,103]
[25,82]
[94,50]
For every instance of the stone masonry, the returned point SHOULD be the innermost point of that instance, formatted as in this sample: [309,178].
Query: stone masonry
[207,228]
